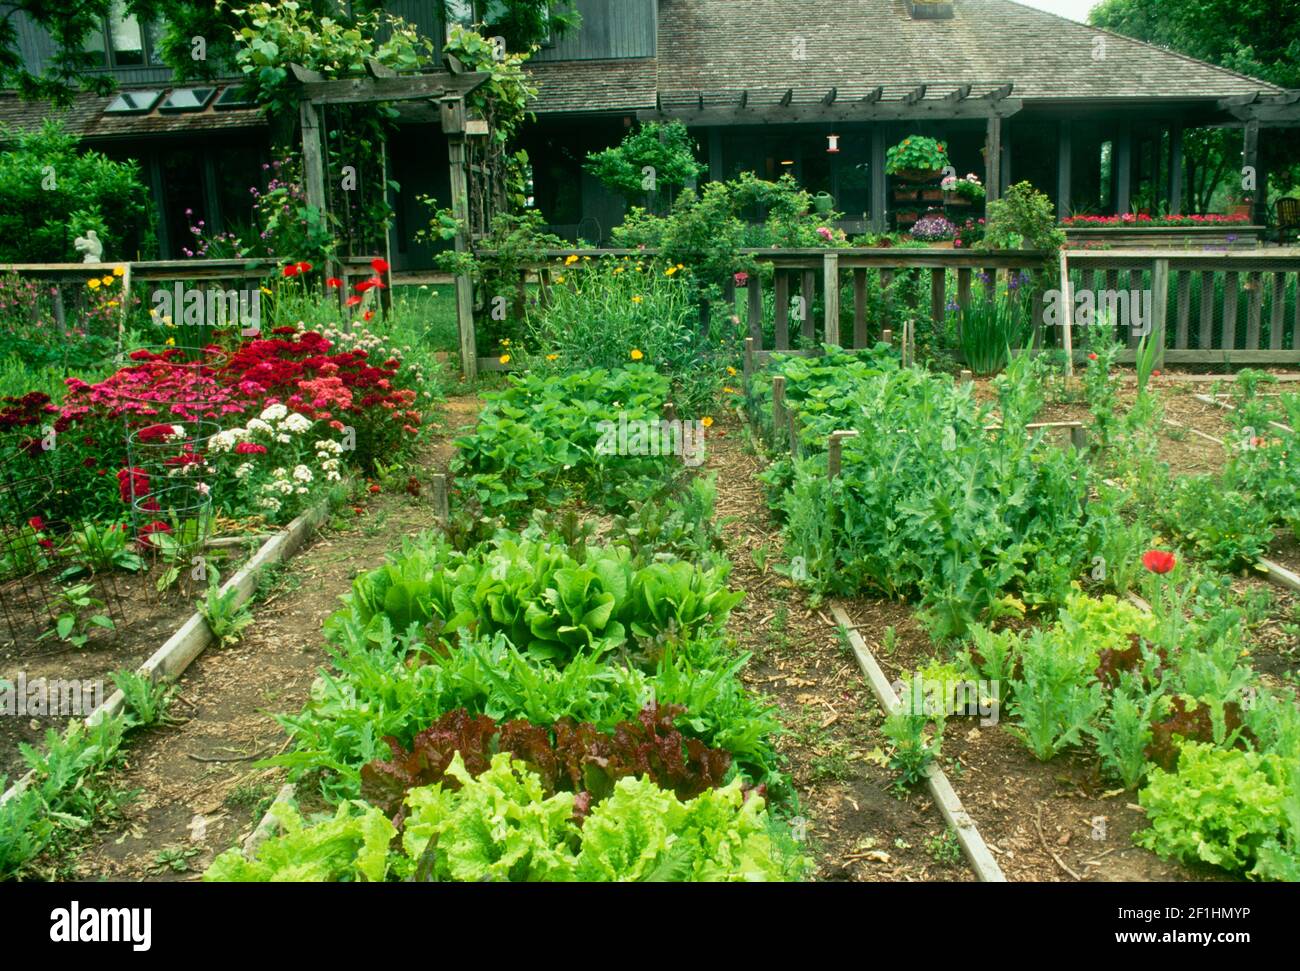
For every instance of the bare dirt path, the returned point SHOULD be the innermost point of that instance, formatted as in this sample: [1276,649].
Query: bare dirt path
[199,793]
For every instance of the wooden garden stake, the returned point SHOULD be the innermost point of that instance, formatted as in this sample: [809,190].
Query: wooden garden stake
[778,404]
[794,431]
[441,505]
[1079,437]
[834,452]
[749,363]
[887,336]
[967,377]
[670,411]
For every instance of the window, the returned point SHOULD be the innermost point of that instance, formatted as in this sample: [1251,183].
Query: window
[122,42]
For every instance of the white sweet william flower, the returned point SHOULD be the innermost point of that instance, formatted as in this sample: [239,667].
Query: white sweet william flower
[244,470]
[178,431]
[274,412]
[202,488]
[257,425]
[296,423]
[302,473]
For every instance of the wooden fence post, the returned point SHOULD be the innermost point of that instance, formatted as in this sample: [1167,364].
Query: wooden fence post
[779,420]
[1159,307]
[831,296]
[834,452]
[749,363]
[441,502]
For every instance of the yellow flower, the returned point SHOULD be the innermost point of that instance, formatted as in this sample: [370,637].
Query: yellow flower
[119,270]
[731,371]
[93,283]
[266,291]
[707,422]
[586,257]
[618,270]
[552,357]
[638,298]
[670,271]
[730,390]
[112,303]
[680,266]
[170,342]
[571,259]
[638,269]
[560,278]
[504,359]
[636,355]
[107,280]
[505,342]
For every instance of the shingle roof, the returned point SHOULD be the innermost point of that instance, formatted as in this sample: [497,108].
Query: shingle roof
[856,45]
[614,85]
[86,118]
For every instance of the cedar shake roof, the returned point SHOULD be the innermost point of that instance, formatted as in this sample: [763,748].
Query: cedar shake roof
[728,46]
[577,86]
[85,117]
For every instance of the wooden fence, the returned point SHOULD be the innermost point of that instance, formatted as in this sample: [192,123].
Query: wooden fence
[1209,307]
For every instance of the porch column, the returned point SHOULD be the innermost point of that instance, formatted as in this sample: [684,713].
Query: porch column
[715,154]
[1176,169]
[877,169]
[1122,166]
[1064,157]
[993,158]
[1250,159]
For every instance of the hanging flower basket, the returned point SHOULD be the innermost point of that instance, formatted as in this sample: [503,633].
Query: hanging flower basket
[918,175]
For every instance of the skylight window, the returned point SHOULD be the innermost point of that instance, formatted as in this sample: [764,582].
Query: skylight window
[233,98]
[187,99]
[133,103]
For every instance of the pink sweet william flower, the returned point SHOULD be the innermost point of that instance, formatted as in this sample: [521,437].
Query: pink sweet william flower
[825,233]
[250,448]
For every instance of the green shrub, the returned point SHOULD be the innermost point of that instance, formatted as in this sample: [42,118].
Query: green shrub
[50,194]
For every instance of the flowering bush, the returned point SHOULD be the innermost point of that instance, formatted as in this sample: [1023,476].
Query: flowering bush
[968,188]
[304,401]
[932,227]
[1129,219]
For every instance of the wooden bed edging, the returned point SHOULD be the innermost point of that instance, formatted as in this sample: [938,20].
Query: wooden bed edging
[193,637]
[973,846]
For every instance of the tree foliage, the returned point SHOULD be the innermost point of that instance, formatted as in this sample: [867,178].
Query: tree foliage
[649,164]
[1260,38]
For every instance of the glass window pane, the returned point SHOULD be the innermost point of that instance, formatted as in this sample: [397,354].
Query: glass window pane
[128,39]
[96,42]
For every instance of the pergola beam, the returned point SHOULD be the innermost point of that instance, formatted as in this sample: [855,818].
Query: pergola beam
[829,98]
[787,97]
[915,95]
[842,111]
[369,90]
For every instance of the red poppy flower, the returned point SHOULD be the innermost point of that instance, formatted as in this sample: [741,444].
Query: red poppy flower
[1158,561]
[368,315]
[353,300]
[304,267]
[1092,357]
[291,270]
[374,489]
[379,264]
[333,282]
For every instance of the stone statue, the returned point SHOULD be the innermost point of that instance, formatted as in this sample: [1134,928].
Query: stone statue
[90,246]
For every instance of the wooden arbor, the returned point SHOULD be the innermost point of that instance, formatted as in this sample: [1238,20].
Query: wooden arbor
[447,91]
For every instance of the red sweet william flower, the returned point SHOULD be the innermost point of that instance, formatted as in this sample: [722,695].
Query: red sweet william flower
[250,448]
[154,433]
[1158,561]
[379,264]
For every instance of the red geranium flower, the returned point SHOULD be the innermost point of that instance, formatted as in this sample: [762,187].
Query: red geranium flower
[1158,561]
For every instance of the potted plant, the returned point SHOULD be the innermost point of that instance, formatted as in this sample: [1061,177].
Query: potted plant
[1240,204]
[917,159]
[935,228]
[967,191]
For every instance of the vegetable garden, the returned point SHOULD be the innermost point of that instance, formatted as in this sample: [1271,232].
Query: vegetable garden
[607,630]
